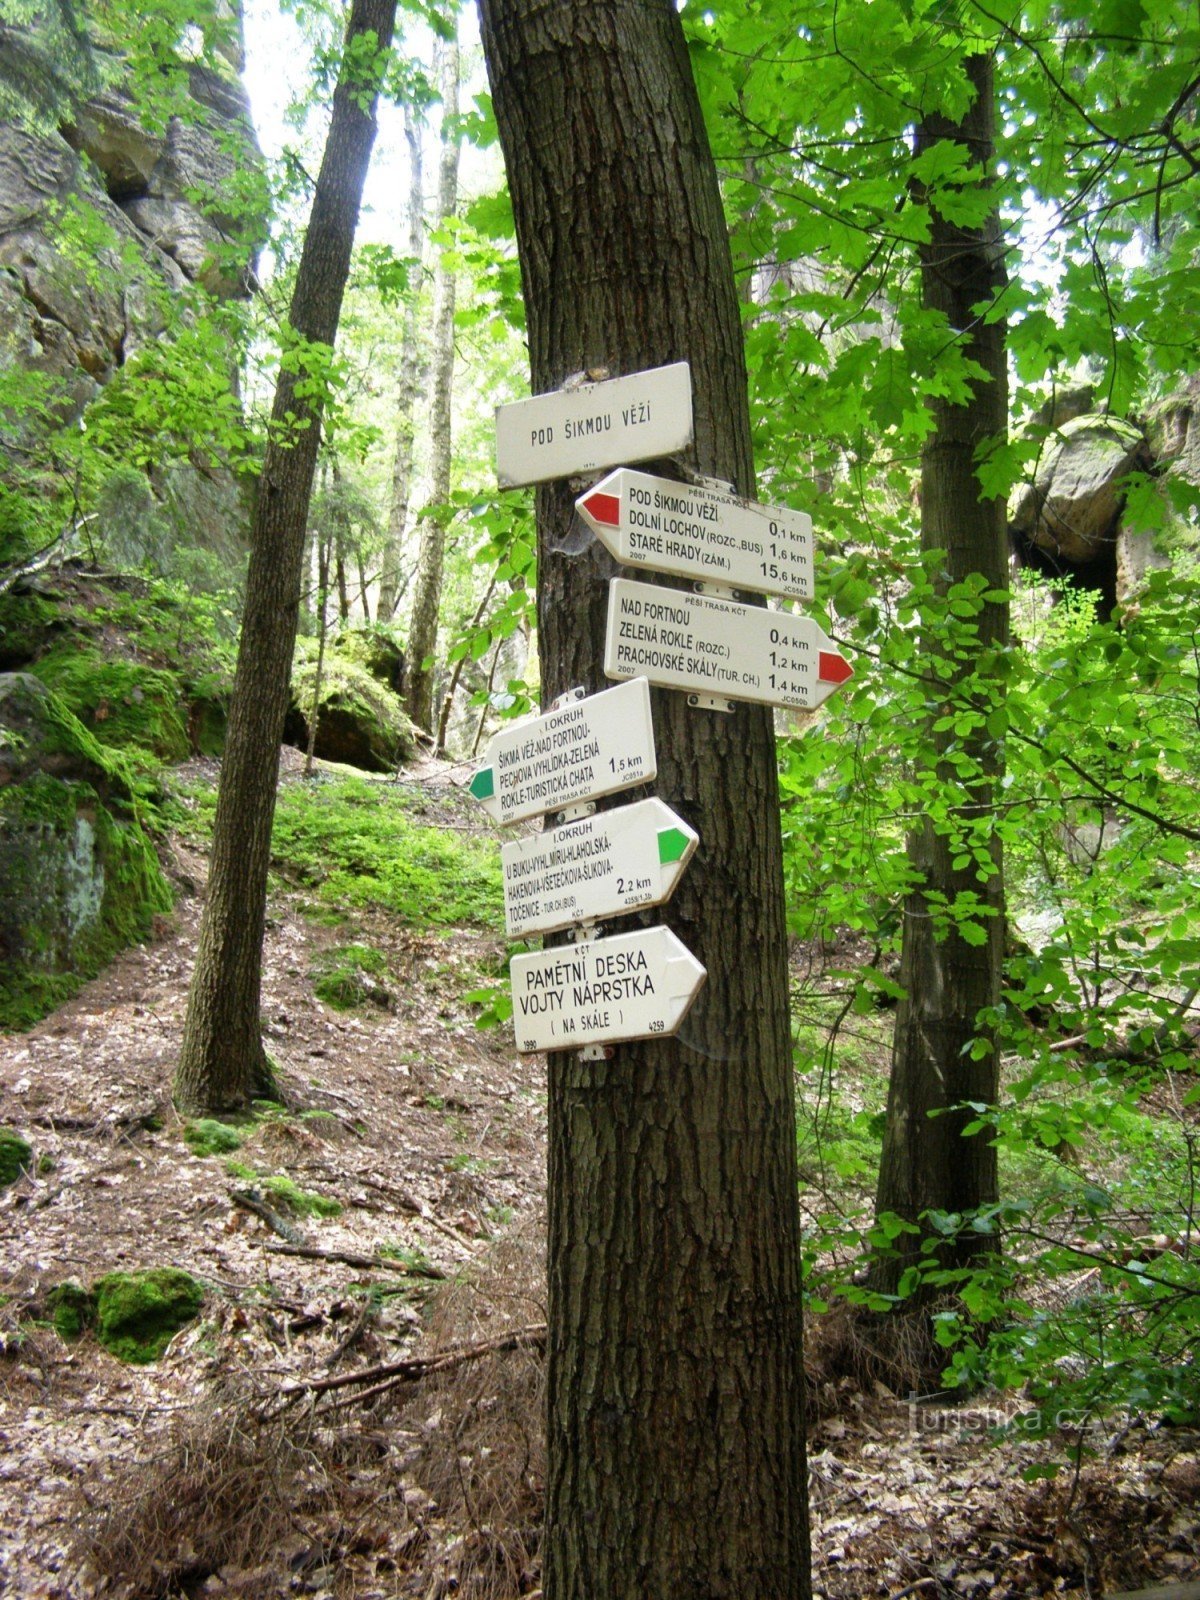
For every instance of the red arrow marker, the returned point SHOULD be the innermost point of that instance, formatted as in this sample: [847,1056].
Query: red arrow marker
[606,508]
[832,668]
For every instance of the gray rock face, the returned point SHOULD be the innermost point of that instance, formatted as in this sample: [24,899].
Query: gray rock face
[1073,509]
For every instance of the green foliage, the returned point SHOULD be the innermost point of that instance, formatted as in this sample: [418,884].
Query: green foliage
[284,1192]
[16,1157]
[354,843]
[208,1137]
[139,1313]
[351,975]
[72,1309]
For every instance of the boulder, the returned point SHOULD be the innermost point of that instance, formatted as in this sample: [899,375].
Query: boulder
[1072,510]
[79,878]
[360,723]
[378,650]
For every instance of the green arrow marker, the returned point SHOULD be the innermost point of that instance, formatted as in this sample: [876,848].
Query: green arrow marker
[672,845]
[483,785]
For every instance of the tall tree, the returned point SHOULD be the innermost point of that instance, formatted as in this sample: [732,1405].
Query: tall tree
[951,965]
[222,1063]
[409,385]
[431,530]
[675,1383]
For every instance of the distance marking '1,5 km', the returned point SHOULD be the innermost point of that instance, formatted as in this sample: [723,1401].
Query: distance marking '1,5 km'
[588,747]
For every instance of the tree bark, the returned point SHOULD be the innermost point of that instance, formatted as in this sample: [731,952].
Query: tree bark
[926,1163]
[675,1383]
[410,380]
[222,1063]
[431,531]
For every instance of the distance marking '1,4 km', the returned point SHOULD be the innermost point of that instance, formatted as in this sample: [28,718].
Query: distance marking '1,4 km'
[633,986]
[694,532]
[583,749]
[719,647]
[619,861]
[635,418]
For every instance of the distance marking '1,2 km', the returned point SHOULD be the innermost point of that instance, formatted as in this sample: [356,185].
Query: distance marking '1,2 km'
[619,861]
[586,748]
[719,647]
[634,418]
[694,532]
[632,986]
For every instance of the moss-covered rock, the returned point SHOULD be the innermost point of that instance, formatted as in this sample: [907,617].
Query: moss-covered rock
[351,975]
[360,722]
[79,878]
[378,649]
[15,1157]
[72,1309]
[139,1313]
[122,702]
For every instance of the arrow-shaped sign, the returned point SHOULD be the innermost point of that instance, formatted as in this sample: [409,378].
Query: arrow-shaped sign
[586,748]
[693,532]
[634,986]
[719,647]
[616,862]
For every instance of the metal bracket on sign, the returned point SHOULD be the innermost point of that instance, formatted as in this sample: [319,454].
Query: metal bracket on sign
[567,697]
[584,933]
[717,485]
[585,808]
[709,702]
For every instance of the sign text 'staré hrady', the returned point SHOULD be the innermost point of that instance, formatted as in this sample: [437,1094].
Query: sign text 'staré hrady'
[695,532]
[585,748]
[705,645]
[634,418]
[617,862]
[632,986]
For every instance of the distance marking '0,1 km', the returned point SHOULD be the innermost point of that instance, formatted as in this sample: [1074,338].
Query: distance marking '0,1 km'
[619,861]
[583,749]
[704,645]
[633,986]
[634,418]
[694,532]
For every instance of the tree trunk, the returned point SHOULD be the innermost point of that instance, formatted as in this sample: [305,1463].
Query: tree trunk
[222,1063]
[675,1384]
[431,531]
[410,380]
[926,1163]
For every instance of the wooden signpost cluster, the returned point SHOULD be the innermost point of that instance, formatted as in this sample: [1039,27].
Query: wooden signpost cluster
[592,866]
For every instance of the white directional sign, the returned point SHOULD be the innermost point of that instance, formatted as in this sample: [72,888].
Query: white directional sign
[619,861]
[653,522]
[634,986]
[719,647]
[587,748]
[634,418]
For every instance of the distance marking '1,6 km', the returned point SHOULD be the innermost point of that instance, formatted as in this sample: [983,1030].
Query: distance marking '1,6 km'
[694,532]
[718,647]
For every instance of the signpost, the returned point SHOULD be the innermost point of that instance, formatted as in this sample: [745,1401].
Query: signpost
[634,418]
[719,647]
[633,986]
[583,749]
[619,861]
[696,532]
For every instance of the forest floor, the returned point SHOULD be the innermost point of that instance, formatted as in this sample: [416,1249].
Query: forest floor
[257,1458]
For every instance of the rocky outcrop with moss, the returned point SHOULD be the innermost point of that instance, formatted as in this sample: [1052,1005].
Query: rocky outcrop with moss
[79,877]
[360,720]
